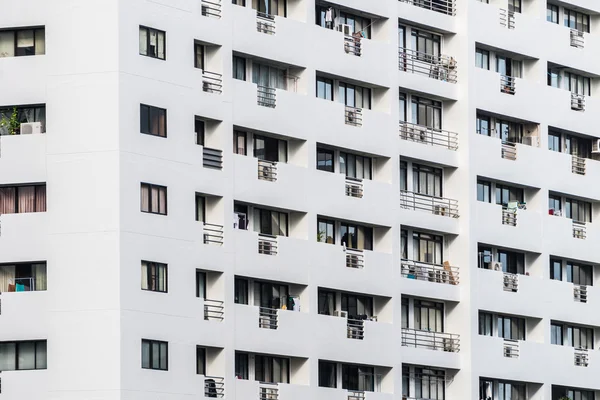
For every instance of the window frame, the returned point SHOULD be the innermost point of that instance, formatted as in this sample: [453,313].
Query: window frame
[15,39]
[158,32]
[552,11]
[200,273]
[158,111]
[238,62]
[323,151]
[200,356]
[17,346]
[37,188]
[152,278]
[484,56]
[150,205]
[327,222]
[327,83]
[160,343]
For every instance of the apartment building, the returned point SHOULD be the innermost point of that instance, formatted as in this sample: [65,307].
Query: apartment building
[299,199]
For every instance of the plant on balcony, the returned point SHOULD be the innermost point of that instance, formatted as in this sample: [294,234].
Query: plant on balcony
[320,236]
[12,124]
[565,398]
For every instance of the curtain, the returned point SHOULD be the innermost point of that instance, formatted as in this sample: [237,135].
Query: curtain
[7,278]
[145,198]
[40,41]
[161,45]
[143,41]
[7,44]
[26,199]
[8,354]
[40,199]
[144,275]
[26,355]
[162,199]
[154,201]
[7,200]
[25,39]
[40,276]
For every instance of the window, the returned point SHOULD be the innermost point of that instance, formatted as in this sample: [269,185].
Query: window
[554,78]
[354,96]
[484,126]
[154,276]
[554,204]
[486,324]
[577,20]
[482,59]
[269,222]
[241,211]
[152,43]
[554,141]
[579,274]
[23,277]
[512,262]
[486,389]
[427,112]
[239,2]
[239,68]
[484,257]
[510,391]
[271,369]
[26,355]
[270,7]
[326,302]
[325,231]
[578,84]
[402,107]
[552,13]
[270,149]
[153,199]
[153,120]
[270,295]
[327,374]
[22,42]
[22,199]
[578,146]
[200,130]
[355,166]
[324,88]
[241,365]
[357,377]
[200,360]
[580,337]
[357,306]
[356,236]
[403,176]
[429,316]
[511,327]
[199,56]
[404,243]
[405,382]
[559,392]
[514,5]
[426,44]
[427,180]
[430,384]
[484,191]
[239,143]
[240,291]
[427,248]
[200,284]
[200,208]
[155,354]
[325,160]
[556,269]
[24,114]
[578,210]
[509,131]
[556,334]
[404,313]
[268,76]
[507,194]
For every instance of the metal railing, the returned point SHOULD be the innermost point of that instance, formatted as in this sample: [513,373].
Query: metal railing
[431,340]
[213,233]
[579,230]
[577,102]
[354,187]
[581,357]
[265,23]
[353,116]
[211,8]
[435,205]
[267,170]
[266,96]
[508,150]
[267,244]
[212,82]
[212,158]
[511,348]
[429,272]
[436,66]
[352,45]
[507,18]
[510,282]
[580,293]
[508,84]
[578,165]
[354,258]
[509,217]
[356,395]
[214,386]
[268,392]
[214,310]
[427,135]
[577,39]
[447,7]
[356,329]
[267,318]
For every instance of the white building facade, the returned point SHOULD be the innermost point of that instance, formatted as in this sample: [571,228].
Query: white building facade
[299,199]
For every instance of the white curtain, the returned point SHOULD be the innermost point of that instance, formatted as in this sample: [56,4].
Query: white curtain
[145,198]
[145,275]
[7,200]
[8,353]
[26,199]
[7,44]
[40,277]
[40,41]
[143,41]
[7,277]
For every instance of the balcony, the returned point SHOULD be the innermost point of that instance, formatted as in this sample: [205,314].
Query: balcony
[267,318]
[353,116]
[510,282]
[577,165]
[267,170]
[435,205]
[212,158]
[439,67]
[579,230]
[447,7]
[354,187]
[211,8]
[429,272]
[508,84]
[214,310]
[26,384]
[213,234]
[266,96]
[429,136]
[576,39]
[24,156]
[265,23]
[214,386]
[580,293]
[577,102]
[507,18]
[511,348]
[24,314]
[430,340]
[581,357]
[355,258]
[267,244]
[212,82]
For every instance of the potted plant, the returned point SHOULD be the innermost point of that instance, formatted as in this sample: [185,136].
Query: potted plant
[12,124]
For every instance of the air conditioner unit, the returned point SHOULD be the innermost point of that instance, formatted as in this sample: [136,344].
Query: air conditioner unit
[345,29]
[497,266]
[31,127]
[596,146]
[339,313]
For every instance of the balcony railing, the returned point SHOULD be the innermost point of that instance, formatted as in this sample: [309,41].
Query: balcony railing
[354,258]
[211,8]
[267,244]
[431,340]
[214,386]
[579,230]
[507,18]
[578,165]
[508,84]
[509,217]
[427,135]
[510,282]
[511,348]
[356,329]
[267,318]
[353,116]
[213,234]
[509,150]
[436,66]
[354,187]
[581,357]
[352,45]
[266,96]
[265,23]
[214,310]
[429,272]
[270,392]
[577,102]
[577,38]
[267,170]
[356,395]
[212,158]
[423,202]
[447,7]
[212,82]
[580,293]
